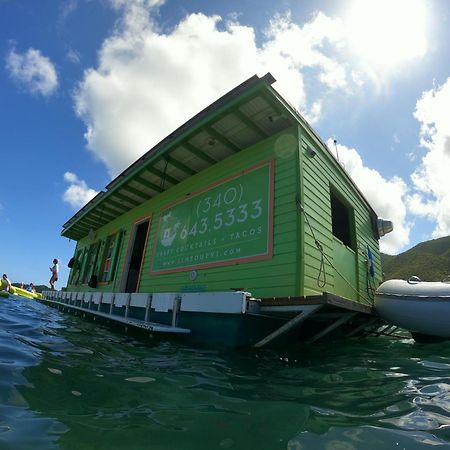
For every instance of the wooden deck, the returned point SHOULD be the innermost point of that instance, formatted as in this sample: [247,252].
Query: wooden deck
[320,315]
[324,299]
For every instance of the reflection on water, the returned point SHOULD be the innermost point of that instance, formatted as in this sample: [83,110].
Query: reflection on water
[69,384]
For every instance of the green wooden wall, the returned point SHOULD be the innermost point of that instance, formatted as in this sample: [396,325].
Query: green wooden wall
[295,266]
[319,176]
[278,276]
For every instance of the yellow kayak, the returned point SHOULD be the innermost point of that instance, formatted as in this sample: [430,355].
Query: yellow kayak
[23,292]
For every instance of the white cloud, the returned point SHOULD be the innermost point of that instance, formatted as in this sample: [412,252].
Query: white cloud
[431,179]
[73,56]
[147,4]
[67,8]
[32,71]
[387,197]
[383,36]
[78,193]
[149,82]
[303,47]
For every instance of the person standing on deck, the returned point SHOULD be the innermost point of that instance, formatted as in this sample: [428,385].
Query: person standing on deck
[5,283]
[54,270]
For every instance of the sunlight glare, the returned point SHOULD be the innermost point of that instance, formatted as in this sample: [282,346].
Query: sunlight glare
[386,33]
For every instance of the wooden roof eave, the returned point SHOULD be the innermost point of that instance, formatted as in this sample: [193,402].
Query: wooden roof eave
[225,102]
[162,150]
[83,210]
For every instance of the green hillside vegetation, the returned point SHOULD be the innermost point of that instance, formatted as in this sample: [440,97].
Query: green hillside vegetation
[430,261]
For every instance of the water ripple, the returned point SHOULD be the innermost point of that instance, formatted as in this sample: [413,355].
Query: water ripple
[65,384]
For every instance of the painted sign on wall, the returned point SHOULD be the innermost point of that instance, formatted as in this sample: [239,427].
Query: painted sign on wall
[227,222]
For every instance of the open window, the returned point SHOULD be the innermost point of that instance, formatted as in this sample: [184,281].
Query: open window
[107,258]
[79,269]
[76,268]
[342,220]
[110,255]
[90,262]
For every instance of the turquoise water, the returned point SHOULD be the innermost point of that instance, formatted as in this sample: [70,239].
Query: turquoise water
[70,384]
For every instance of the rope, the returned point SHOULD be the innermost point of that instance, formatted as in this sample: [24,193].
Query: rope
[324,257]
[319,246]
[370,288]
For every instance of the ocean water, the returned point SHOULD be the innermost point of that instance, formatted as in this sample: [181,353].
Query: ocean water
[66,383]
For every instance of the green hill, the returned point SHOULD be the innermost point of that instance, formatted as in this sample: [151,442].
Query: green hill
[430,261]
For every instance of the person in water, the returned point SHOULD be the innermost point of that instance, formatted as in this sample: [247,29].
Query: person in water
[31,288]
[54,270]
[5,283]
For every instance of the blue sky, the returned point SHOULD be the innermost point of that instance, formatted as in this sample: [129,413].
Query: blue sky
[88,86]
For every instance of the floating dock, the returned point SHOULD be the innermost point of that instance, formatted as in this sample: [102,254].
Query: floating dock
[229,318]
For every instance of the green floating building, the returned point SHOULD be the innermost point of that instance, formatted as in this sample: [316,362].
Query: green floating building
[239,227]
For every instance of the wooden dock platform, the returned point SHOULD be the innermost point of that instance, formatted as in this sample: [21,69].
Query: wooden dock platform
[318,316]
[292,303]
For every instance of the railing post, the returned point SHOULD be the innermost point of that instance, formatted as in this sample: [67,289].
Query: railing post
[147,307]
[113,299]
[127,305]
[176,310]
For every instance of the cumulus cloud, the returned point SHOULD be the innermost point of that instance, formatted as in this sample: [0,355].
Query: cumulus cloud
[302,47]
[431,179]
[32,71]
[387,197]
[149,82]
[400,38]
[78,193]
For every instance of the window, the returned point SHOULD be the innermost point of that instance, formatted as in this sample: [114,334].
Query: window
[77,276]
[107,258]
[342,220]
[75,272]
[90,262]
